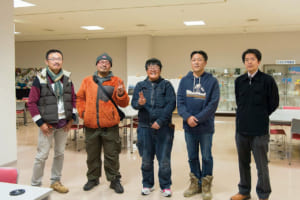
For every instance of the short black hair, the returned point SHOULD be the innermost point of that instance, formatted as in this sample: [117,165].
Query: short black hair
[256,52]
[203,53]
[153,61]
[54,51]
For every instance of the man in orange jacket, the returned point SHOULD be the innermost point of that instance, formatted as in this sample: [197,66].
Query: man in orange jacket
[101,119]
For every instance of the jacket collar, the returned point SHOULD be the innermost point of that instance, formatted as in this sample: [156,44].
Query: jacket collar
[256,77]
[44,73]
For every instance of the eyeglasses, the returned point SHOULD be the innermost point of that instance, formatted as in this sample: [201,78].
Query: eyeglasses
[55,59]
[153,67]
[104,62]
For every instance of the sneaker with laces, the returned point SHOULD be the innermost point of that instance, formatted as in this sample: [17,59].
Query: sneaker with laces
[166,192]
[146,190]
[58,187]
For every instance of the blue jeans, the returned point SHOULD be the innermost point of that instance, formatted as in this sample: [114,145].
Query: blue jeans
[259,145]
[193,140]
[156,142]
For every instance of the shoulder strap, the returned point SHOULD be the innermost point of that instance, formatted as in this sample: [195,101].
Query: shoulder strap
[107,95]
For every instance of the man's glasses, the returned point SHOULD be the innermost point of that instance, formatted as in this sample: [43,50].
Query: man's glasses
[55,59]
[104,62]
[153,67]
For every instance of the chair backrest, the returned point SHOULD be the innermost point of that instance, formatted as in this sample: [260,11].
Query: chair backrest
[295,126]
[20,105]
[291,107]
[8,175]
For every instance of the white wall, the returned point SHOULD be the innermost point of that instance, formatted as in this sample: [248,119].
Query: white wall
[139,49]
[79,55]
[8,143]
[174,52]
[223,50]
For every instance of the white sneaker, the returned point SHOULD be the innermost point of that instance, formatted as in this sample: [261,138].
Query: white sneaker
[166,192]
[146,191]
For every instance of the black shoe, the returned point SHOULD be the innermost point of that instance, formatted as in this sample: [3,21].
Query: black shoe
[116,185]
[90,184]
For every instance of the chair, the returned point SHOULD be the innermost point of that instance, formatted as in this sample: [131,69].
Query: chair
[8,175]
[124,126]
[295,134]
[21,109]
[279,140]
[76,128]
[291,107]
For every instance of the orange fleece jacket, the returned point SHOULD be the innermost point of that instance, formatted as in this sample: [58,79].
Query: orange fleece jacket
[86,103]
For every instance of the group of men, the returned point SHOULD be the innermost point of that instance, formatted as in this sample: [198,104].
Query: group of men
[54,106]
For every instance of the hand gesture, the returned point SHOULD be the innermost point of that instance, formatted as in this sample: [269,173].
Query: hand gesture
[142,99]
[120,89]
[46,129]
[192,121]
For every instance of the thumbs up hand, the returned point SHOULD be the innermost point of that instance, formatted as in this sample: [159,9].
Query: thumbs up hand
[120,89]
[142,99]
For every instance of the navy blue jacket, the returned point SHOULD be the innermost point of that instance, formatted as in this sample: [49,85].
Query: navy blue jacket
[255,102]
[160,102]
[200,100]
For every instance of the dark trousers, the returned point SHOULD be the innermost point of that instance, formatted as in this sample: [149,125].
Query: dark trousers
[109,139]
[259,147]
[153,142]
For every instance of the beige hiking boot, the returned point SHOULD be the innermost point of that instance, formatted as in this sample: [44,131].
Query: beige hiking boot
[194,187]
[57,186]
[206,187]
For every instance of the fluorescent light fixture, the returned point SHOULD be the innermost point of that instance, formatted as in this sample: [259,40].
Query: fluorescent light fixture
[92,28]
[21,3]
[16,33]
[194,23]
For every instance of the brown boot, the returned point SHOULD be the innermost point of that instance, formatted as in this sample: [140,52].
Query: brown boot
[194,187]
[239,196]
[57,186]
[206,187]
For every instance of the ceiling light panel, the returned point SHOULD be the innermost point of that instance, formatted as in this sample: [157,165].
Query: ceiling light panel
[92,28]
[194,23]
[21,4]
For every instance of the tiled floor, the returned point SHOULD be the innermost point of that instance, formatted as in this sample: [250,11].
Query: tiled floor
[285,179]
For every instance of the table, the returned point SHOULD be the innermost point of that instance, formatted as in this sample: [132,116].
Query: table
[31,192]
[284,116]
[130,113]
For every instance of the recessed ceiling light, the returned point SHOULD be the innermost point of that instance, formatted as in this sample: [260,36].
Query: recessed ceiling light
[194,23]
[21,3]
[92,28]
[140,25]
[252,20]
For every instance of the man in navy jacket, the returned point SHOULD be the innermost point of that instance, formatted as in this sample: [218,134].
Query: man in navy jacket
[256,98]
[197,100]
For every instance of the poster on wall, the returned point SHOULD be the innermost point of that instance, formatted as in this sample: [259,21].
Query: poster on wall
[132,81]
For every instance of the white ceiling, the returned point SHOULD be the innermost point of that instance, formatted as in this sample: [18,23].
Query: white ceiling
[61,19]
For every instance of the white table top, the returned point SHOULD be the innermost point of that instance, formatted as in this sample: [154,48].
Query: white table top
[31,193]
[284,115]
[129,111]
